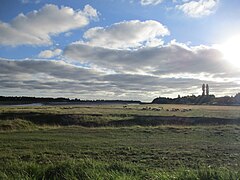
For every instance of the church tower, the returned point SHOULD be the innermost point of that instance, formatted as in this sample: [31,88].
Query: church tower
[207,90]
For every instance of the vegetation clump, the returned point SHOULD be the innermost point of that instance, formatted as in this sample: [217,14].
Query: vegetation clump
[16,124]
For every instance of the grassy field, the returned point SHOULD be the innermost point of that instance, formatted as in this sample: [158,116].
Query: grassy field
[30,149]
[228,112]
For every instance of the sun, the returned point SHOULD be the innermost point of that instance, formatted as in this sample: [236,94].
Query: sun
[231,50]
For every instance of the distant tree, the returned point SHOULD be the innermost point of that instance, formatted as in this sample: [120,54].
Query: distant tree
[237,98]
[203,90]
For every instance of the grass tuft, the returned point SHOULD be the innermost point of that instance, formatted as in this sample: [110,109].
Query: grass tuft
[16,124]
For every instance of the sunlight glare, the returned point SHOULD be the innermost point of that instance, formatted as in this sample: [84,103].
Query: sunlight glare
[231,50]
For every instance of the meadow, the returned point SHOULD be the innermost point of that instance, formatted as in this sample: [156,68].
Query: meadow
[120,142]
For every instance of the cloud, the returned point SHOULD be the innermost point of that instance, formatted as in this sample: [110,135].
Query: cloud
[30,1]
[164,70]
[199,8]
[126,35]
[151,2]
[90,12]
[45,70]
[50,53]
[37,27]
[58,78]
[68,34]
[171,58]
[135,66]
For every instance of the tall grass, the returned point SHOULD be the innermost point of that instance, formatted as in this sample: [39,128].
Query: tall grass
[91,169]
[16,124]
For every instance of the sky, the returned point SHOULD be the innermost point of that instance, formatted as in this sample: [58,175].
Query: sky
[119,49]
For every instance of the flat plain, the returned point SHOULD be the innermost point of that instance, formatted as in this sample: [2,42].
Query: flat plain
[120,142]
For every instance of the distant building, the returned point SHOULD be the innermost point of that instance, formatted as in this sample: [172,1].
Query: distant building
[207,90]
[203,90]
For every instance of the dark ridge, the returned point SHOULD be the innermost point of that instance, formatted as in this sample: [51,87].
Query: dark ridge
[174,120]
[98,120]
[14,100]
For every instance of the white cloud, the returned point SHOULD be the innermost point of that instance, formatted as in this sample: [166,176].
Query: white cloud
[174,67]
[58,78]
[50,53]
[90,12]
[30,1]
[151,2]
[37,27]
[126,35]
[68,34]
[172,58]
[199,8]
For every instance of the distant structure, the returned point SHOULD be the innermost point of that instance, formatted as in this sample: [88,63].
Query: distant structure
[203,90]
[207,90]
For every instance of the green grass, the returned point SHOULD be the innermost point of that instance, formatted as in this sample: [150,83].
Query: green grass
[91,169]
[117,115]
[31,150]
[156,151]
[16,124]
[229,112]
[160,147]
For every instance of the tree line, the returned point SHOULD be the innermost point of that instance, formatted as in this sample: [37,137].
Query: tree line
[202,99]
[46,100]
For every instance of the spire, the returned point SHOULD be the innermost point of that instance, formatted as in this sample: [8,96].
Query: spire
[207,90]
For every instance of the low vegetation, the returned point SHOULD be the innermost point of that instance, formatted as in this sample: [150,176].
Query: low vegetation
[46,147]
[91,169]
[16,124]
